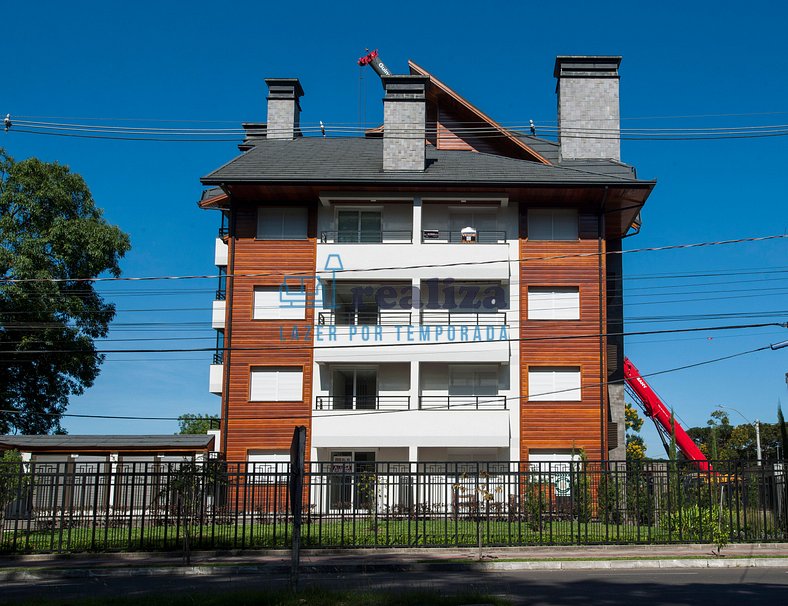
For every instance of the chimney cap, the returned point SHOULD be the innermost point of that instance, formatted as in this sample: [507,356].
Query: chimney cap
[587,66]
[405,87]
[284,88]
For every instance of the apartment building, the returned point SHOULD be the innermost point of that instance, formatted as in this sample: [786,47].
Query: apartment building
[440,289]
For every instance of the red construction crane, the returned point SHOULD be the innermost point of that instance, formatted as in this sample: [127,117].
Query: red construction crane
[373,60]
[655,409]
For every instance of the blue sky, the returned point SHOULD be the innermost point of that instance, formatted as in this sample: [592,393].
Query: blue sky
[206,62]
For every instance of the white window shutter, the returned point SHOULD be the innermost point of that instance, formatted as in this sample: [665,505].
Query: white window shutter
[263,385]
[276,385]
[291,385]
[268,304]
[540,385]
[554,384]
[566,304]
[553,303]
[567,385]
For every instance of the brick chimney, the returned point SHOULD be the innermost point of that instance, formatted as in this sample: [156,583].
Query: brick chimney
[588,107]
[404,114]
[284,109]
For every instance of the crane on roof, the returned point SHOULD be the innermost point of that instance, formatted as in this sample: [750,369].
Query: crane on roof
[654,408]
[372,58]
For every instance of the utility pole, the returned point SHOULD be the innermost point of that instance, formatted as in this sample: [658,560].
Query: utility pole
[757,430]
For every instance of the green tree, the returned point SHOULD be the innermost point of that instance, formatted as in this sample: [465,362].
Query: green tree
[193,423]
[50,231]
[636,447]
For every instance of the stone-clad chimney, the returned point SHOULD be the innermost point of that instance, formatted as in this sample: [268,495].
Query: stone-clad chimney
[588,107]
[284,109]
[404,115]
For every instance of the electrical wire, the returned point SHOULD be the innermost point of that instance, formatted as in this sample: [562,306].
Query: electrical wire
[10,280]
[377,412]
[299,344]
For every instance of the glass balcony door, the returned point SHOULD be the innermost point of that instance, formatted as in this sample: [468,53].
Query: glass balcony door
[350,481]
[359,226]
[355,389]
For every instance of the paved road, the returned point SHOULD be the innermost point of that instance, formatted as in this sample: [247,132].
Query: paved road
[737,587]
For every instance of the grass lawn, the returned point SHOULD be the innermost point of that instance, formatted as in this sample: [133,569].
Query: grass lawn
[351,531]
[286,598]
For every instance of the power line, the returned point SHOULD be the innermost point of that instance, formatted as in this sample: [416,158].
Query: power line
[308,345]
[10,280]
[359,413]
[512,298]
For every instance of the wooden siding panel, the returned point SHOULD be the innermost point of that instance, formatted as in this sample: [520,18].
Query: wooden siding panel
[562,425]
[259,343]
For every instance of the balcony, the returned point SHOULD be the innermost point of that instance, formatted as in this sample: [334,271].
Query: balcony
[389,236]
[218,315]
[462,318]
[454,236]
[216,379]
[383,317]
[495,402]
[221,253]
[371,402]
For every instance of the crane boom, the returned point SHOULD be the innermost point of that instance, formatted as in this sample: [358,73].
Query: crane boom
[373,60]
[655,409]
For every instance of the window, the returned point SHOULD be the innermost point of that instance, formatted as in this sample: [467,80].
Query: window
[554,384]
[268,466]
[355,389]
[552,224]
[473,380]
[359,226]
[281,223]
[271,303]
[553,303]
[276,385]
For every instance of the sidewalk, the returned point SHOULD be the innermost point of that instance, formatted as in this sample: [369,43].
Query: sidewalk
[206,563]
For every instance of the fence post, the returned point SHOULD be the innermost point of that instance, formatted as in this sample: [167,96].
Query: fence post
[297,457]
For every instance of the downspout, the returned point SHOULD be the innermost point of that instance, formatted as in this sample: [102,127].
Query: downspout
[230,286]
[603,399]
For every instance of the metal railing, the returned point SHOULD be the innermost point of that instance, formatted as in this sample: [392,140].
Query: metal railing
[451,236]
[372,402]
[224,231]
[463,318]
[495,402]
[101,506]
[386,236]
[384,317]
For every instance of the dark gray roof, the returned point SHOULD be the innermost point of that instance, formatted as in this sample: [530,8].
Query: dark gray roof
[211,193]
[357,160]
[544,147]
[108,442]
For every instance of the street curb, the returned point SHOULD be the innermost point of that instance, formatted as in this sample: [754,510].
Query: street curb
[43,574]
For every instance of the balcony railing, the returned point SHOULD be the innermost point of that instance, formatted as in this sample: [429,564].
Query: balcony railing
[224,231]
[451,236]
[218,358]
[372,402]
[460,318]
[389,236]
[386,317]
[462,402]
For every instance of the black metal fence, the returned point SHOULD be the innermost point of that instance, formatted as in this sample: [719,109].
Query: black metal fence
[100,506]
